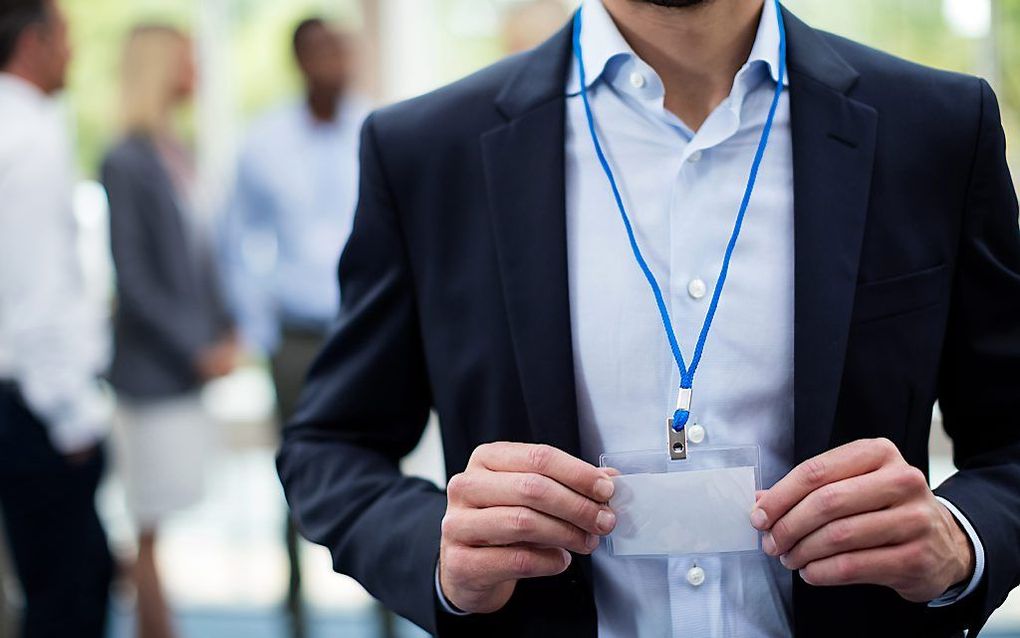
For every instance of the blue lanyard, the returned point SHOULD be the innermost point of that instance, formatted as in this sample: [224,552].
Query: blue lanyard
[682,413]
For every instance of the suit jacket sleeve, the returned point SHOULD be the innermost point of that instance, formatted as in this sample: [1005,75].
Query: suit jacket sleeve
[981,368]
[365,406]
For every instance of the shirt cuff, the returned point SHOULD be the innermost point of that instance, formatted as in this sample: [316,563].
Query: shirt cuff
[444,603]
[83,424]
[958,592]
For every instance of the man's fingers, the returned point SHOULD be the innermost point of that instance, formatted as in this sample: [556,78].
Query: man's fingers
[482,488]
[480,568]
[863,531]
[856,495]
[852,459]
[580,476]
[877,566]
[501,526]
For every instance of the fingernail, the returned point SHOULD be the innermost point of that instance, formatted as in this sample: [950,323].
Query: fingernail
[605,521]
[591,542]
[783,560]
[768,544]
[803,577]
[604,489]
[759,518]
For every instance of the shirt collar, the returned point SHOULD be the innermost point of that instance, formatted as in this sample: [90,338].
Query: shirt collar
[13,85]
[603,46]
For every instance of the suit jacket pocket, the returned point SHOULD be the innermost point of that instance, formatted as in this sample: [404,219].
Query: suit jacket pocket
[900,295]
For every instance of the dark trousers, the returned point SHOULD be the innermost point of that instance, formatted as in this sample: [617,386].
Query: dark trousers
[56,540]
[290,364]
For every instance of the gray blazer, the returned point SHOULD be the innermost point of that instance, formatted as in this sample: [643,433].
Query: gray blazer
[169,306]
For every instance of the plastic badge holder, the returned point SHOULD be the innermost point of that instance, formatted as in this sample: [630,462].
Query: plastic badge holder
[700,505]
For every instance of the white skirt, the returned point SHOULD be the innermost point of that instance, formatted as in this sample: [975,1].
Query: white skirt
[164,447]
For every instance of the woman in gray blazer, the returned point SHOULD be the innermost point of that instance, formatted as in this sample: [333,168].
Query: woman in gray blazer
[172,333]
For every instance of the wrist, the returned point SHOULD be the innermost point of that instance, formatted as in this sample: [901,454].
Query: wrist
[444,602]
[964,551]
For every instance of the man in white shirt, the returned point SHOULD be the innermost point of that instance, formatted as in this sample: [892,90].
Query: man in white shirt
[53,346]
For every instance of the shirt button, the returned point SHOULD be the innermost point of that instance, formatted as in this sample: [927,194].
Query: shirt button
[695,576]
[637,80]
[696,289]
[696,433]
[695,156]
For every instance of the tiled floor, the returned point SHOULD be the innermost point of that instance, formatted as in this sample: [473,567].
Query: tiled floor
[268,623]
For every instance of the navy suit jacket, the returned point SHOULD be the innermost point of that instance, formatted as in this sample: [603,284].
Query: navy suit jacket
[907,289]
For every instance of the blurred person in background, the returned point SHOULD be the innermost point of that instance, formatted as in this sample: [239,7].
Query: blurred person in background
[529,24]
[171,332]
[54,414]
[289,219]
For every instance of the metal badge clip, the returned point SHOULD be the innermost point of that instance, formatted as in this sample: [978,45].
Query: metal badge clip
[677,432]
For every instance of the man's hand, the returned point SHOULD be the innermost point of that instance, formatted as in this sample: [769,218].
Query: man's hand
[860,514]
[514,513]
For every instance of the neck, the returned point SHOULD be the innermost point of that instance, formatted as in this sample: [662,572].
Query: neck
[323,104]
[696,51]
[162,131]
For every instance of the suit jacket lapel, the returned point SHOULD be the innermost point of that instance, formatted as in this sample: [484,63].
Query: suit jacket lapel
[524,168]
[833,150]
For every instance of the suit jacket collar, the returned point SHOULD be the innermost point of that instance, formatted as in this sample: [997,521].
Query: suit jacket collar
[541,77]
[809,55]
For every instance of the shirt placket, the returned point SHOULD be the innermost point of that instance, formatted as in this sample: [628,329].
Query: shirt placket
[695,584]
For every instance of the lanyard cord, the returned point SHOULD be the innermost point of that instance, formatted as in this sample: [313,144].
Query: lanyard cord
[686,374]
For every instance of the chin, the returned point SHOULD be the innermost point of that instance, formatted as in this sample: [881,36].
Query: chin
[676,4]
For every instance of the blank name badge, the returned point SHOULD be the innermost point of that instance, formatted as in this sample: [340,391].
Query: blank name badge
[699,505]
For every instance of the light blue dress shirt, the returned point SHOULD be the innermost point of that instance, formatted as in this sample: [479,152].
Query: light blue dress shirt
[289,219]
[682,190]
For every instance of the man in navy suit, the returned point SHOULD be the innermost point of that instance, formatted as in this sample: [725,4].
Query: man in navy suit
[878,271]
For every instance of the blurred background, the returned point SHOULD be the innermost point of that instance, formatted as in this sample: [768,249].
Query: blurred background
[224,561]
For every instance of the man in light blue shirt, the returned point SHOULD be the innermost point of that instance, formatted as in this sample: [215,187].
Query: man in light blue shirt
[489,277]
[288,221]
[745,388]
[294,199]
